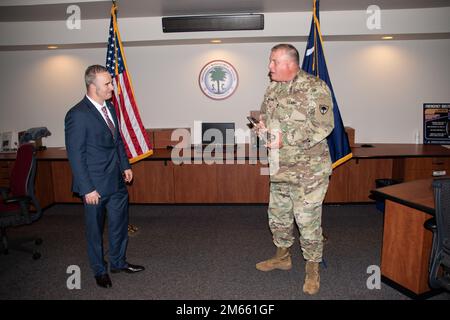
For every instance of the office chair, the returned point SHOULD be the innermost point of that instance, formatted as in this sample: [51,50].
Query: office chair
[17,199]
[439,267]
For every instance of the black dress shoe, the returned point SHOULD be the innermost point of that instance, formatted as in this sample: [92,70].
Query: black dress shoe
[103,281]
[131,268]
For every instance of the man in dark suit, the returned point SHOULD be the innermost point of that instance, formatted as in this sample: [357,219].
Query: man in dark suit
[100,169]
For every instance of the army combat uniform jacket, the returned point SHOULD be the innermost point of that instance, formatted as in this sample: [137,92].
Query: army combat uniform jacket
[302,109]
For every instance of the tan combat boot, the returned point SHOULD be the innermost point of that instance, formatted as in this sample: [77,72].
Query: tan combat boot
[281,260]
[312,279]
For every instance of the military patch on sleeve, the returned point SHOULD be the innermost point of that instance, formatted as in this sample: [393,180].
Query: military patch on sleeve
[323,108]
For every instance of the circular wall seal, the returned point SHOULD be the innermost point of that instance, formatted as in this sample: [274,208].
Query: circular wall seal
[218,79]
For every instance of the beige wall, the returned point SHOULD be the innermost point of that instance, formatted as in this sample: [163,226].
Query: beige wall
[380,85]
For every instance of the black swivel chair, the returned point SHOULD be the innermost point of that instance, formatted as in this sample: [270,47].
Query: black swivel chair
[16,200]
[439,267]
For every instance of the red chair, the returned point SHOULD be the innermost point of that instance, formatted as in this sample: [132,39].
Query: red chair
[16,200]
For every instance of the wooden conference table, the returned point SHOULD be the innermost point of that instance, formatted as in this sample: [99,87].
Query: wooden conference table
[406,242]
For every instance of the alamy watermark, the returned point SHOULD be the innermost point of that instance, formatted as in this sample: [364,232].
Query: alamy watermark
[222,149]
[74,280]
[374,280]
[374,19]
[73,21]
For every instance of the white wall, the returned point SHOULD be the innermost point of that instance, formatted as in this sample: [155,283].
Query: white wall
[380,86]
[333,23]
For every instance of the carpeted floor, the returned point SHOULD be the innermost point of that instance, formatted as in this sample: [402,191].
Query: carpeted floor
[199,253]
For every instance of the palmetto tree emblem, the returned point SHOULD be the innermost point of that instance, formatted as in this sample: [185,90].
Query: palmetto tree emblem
[218,79]
[218,75]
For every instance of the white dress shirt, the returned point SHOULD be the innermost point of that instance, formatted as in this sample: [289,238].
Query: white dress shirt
[99,108]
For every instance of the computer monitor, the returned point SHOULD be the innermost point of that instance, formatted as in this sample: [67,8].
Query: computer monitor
[220,133]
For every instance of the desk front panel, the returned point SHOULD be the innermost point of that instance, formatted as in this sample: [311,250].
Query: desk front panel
[161,183]
[406,247]
[153,182]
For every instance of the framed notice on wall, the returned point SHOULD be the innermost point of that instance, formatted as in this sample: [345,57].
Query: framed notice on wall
[436,123]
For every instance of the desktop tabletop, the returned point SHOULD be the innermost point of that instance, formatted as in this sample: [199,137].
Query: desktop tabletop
[416,194]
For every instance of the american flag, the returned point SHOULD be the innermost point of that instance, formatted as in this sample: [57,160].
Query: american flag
[134,136]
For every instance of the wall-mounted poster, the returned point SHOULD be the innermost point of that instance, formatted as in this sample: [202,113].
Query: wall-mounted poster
[436,123]
[218,79]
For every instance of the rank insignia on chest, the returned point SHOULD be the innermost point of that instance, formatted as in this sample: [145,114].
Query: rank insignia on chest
[323,108]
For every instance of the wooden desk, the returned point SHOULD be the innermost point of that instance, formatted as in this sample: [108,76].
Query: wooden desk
[158,179]
[352,181]
[406,242]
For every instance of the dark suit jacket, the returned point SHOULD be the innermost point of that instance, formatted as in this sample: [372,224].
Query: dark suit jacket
[96,157]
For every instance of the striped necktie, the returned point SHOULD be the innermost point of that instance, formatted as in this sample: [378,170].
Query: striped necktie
[108,120]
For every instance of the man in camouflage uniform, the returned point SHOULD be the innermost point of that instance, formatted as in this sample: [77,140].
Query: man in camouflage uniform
[298,112]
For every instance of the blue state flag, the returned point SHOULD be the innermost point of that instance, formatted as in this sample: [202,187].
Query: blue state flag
[315,64]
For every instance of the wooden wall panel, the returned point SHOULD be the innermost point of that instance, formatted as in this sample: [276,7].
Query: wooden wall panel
[242,183]
[353,180]
[409,169]
[152,182]
[44,184]
[338,189]
[362,176]
[62,182]
[350,182]
[195,183]
[5,172]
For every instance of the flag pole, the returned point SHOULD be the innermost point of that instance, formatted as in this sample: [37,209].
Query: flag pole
[133,131]
[315,63]
[118,46]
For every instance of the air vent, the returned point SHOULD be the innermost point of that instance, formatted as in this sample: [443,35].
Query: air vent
[213,23]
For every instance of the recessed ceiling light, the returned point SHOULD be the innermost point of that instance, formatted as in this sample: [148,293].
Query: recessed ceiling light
[216,41]
[52,47]
[387,37]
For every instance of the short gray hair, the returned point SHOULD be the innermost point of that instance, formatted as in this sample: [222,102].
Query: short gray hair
[290,50]
[91,71]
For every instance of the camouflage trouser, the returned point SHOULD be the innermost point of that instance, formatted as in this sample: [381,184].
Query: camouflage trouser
[304,203]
